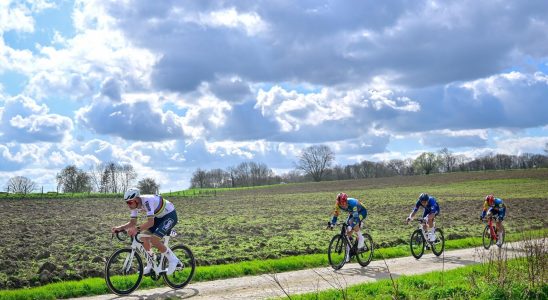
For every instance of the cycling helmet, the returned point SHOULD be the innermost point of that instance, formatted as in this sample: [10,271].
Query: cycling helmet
[490,199]
[131,193]
[498,202]
[424,197]
[342,198]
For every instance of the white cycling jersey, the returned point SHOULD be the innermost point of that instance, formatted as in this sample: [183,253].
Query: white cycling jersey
[154,205]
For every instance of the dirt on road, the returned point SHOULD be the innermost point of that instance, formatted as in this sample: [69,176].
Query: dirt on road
[317,279]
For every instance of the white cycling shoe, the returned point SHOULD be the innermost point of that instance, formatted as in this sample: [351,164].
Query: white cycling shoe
[147,270]
[172,266]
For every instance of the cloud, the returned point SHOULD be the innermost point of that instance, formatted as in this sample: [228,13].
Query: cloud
[414,44]
[132,121]
[24,121]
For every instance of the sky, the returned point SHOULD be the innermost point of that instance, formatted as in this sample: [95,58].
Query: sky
[173,86]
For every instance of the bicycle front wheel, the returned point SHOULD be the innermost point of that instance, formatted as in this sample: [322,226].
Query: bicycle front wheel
[185,269]
[365,255]
[486,238]
[337,252]
[439,244]
[123,272]
[417,244]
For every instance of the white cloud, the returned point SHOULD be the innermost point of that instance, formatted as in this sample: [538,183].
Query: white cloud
[24,121]
[132,121]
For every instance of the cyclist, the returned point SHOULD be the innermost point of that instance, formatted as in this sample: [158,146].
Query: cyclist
[355,209]
[494,206]
[161,218]
[431,210]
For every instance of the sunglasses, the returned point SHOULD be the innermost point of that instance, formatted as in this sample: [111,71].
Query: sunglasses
[131,202]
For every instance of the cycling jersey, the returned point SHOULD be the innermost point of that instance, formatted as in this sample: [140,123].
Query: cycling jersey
[431,207]
[495,209]
[355,208]
[153,205]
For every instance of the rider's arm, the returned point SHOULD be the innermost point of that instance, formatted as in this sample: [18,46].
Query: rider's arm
[485,208]
[336,212]
[129,224]
[149,223]
[414,211]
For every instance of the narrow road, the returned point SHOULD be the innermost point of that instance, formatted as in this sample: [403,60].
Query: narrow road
[312,280]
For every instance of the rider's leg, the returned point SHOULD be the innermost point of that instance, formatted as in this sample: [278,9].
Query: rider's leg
[357,228]
[358,231]
[500,227]
[165,224]
[147,246]
[431,218]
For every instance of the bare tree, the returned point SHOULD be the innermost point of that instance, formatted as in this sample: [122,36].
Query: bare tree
[127,174]
[314,161]
[148,186]
[198,179]
[426,162]
[20,184]
[447,159]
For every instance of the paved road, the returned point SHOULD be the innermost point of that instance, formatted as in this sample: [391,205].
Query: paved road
[312,280]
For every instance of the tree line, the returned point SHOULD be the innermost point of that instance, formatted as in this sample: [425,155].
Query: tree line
[315,163]
[109,177]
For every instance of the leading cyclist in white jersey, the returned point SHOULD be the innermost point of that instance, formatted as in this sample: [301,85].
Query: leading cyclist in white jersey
[161,218]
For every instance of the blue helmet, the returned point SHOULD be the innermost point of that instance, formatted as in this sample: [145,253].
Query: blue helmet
[497,202]
[424,197]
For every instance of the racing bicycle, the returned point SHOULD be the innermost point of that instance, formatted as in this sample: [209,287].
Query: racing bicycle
[490,235]
[341,244]
[420,241]
[124,268]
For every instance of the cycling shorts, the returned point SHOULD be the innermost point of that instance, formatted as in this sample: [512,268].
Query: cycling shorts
[428,211]
[162,226]
[362,214]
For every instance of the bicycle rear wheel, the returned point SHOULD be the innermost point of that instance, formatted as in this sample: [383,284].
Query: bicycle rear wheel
[417,244]
[365,255]
[123,272]
[486,238]
[439,245]
[185,269]
[337,252]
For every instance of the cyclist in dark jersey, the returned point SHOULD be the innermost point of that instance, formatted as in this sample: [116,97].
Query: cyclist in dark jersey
[431,210]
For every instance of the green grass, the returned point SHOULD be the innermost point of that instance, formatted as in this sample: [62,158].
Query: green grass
[469,282]
[97,286]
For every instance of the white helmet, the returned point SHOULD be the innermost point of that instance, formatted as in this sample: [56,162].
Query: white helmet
[131,193]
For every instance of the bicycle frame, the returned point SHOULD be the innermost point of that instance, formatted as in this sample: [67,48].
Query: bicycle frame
[492,229]
[421,227]
[344,233]
[138,247]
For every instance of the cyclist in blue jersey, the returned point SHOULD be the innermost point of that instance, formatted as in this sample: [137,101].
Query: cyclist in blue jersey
[431,210]
[495,207]
[161,218]
[355,210]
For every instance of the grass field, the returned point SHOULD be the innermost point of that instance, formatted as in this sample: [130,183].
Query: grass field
[69,239]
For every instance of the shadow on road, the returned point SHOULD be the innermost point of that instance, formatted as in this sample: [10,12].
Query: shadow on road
[185,293]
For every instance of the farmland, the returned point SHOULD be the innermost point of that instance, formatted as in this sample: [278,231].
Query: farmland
[69,239]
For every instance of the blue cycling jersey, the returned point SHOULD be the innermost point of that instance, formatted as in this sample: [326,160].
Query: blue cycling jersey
[355,208]
[431,207]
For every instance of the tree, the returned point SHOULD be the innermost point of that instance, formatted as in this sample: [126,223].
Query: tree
[447,159]
[426,162]
[20,184]
[73,180]
[314,161]
[148,186]
[198,179]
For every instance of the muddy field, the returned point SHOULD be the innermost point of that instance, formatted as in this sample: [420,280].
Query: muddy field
[52,240]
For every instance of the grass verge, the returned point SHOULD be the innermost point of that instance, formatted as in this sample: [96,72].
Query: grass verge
[97,286]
